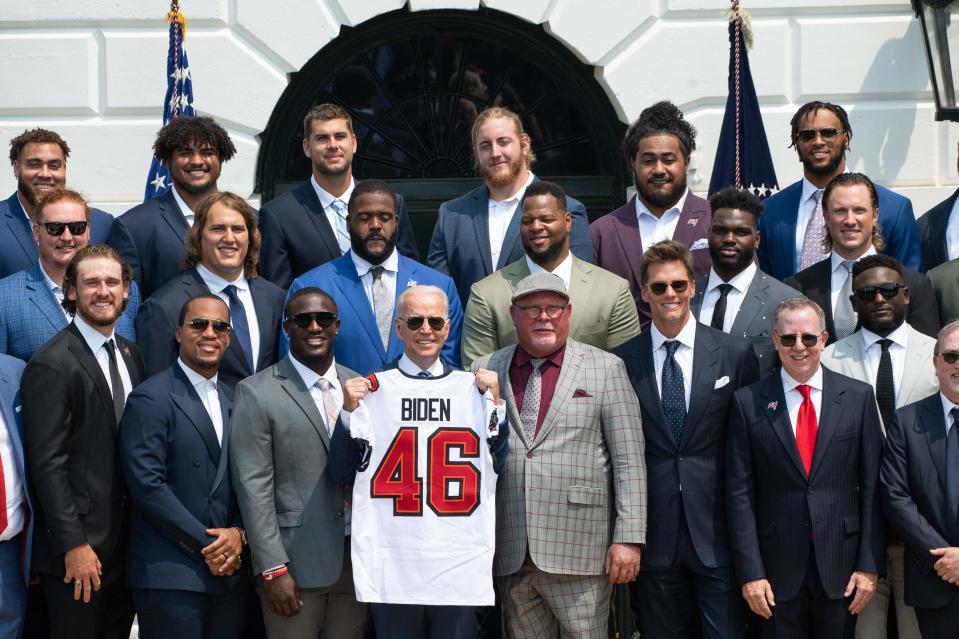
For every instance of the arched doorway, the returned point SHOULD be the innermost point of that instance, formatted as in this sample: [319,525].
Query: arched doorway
[413,82]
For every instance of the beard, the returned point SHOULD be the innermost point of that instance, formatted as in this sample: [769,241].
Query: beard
[663,199]
[498,179]
[198,189]
[548,254]
[828,169]
[358,244]
[95,320]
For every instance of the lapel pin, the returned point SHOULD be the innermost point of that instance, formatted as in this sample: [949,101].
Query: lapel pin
[772,405]
[410,283]
[693,221]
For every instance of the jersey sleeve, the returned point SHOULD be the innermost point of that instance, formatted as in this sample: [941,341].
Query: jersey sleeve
[361,421]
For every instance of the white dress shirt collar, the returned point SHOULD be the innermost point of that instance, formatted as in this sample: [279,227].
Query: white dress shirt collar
[25,213]
[564,270]
[808,190]
[836,259]
[519,192]
[196,380]
[187,212]
[952,232]
[217,283]
[407,366]
[310,377]
[899,337]
[947,407]
[740,281]
[392,263]
[676,209]
[790,384]
[326,198]
[92,336]
[686,336]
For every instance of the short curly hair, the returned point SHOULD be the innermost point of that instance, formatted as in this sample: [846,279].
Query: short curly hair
[36,136]
[661,118]
[740,199]
[184,131]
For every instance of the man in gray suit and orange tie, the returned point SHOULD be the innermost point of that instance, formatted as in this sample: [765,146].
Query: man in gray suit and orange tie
[571,502]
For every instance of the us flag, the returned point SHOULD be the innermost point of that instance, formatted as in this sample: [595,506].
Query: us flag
[179,97]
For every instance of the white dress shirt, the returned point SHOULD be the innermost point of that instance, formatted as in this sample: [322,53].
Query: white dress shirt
[187,212]
[839,274]
[26,215]
[206,389]
[326,201]
[407,366]
[654,229]
[807,206]
[57,291]
[947,407]
[684,354]
[391,267]
[500,215]
[96,342]
[794,398]
[310,377]
[216,284]
[734,298]
[564,270]
[897,352]
[12,483]
[952,232]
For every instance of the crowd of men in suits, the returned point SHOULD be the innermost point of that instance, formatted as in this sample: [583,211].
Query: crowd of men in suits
[745,412]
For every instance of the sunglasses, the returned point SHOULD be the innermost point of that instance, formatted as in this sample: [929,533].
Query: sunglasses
[415,322]
[888,291]
[949,357]
[56,228]
[808,340]
[535,312]
[808,135]
[200,324]
[658,288]
[324,319]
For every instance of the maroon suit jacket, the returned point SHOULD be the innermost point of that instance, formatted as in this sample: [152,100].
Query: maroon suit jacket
[617,246]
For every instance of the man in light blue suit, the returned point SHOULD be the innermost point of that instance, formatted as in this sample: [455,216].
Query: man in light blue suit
[478,233]
[39,160]
[367,281]
[792,227]
[30,310]
[16,509]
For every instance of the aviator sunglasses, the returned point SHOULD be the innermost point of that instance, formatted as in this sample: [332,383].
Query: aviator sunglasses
[888,291]
[200,324]
[658,288]
[949,357]
[415,322]
[808,135]
[324,319]
[56,228]
[808,340]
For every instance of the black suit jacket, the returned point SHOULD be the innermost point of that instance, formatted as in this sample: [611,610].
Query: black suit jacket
[912,480]
[297,236]
[778,513]
[158,320]
[932,232]
[70,436]
[690,476]
[922,312]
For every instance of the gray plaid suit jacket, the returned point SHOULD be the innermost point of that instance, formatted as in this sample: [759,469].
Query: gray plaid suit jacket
[581,484]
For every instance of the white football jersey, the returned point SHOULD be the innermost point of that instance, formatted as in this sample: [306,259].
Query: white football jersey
[424,508]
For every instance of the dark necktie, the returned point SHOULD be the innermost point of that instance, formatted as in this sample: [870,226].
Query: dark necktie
[885,388]
[241,328]
[952,478]
[424,374]
[674,392]
[719,311]
[116,382]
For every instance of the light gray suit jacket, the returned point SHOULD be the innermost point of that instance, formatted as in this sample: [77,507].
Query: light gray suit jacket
[848,357]
[292,510]
[581,484]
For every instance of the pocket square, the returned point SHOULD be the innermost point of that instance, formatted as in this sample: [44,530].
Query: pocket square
[699,244]
[579,392]
[722,381]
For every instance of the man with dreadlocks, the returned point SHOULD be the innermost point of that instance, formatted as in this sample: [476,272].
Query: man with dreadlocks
[151,236]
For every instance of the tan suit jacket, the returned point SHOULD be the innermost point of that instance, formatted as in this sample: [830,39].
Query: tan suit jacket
[604,314]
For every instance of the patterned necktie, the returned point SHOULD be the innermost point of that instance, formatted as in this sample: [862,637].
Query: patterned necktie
[952,477]
[329,403]
[241,328]
[340,228]
[806,428]
[885,387]
[529,414]
[382,305]
[116,382]
[674,392]
[812,248]
[844,318]
[719,311]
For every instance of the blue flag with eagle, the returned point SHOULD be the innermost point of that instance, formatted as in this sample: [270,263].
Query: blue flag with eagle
[178,101]
[742,157]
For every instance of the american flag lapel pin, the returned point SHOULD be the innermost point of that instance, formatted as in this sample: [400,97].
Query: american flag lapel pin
[126,350]
[410,283]
[772,405]
[693,221]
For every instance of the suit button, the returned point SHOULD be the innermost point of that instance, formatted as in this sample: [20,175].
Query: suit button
[529,455]
[680,458]
[339,513]
[196,462]
[810,491]
[675,491]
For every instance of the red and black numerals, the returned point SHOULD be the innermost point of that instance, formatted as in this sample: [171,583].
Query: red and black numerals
[396,478]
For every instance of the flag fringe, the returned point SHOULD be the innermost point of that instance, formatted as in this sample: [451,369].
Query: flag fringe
[745,24]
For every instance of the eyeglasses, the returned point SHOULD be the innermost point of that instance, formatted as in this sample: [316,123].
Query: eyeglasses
[808,135]
[658,288]
[888,291]
[324,319]
[535,312]
[949,357]
[56,228]
[415,322]
[808,340]
[200,324]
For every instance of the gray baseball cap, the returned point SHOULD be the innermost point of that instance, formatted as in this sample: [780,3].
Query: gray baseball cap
[539,283]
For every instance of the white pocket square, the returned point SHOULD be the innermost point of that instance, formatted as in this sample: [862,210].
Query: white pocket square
[699,244]
[722,381]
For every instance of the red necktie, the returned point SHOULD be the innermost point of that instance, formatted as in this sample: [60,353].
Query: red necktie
[806,428]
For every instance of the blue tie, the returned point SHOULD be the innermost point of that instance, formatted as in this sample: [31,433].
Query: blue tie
[952,478]
[241,329]
[674,392]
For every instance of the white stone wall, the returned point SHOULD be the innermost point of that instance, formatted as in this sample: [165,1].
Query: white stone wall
[94,70]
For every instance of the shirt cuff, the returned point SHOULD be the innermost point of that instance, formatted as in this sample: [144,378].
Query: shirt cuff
[345,418]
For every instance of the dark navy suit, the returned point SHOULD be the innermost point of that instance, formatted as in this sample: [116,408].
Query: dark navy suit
[178,478]
[932,232]
[18,249]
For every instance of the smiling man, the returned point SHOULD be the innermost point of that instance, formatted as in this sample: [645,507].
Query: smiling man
[151,237]
[657,148]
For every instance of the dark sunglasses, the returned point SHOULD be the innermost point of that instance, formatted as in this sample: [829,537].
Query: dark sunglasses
[808,340]
[534,312]
[658,288]
[325,319]
[415,322]
[949,357]
[808,135]
[888,291]
[56,228]
[200,324]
